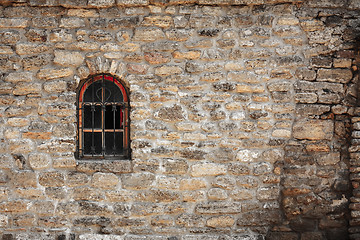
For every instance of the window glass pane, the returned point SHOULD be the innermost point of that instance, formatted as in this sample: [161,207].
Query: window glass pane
[112,92]
[112,111]
[88,143]
[93,92]
[112,148]
[88,116]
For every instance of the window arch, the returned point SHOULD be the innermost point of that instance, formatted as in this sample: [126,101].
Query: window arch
[103,118]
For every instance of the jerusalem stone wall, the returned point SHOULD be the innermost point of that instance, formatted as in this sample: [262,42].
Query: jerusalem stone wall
[242,114]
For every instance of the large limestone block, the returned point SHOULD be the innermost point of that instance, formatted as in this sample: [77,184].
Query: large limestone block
[313,129]
[68,58]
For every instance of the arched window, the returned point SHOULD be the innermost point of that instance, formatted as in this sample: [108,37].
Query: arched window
[103,119]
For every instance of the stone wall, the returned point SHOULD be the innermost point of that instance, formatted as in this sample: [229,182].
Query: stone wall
[242,114]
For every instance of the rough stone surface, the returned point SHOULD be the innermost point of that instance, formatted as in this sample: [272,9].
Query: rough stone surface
[244,121]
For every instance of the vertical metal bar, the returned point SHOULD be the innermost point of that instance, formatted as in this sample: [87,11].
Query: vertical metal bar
[114,117]
[92,118]
[126,134]
[81,135]
[103,113]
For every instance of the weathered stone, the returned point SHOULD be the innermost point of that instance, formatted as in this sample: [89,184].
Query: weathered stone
[313,129]
[60,35]
[45,22]
[335,75]
[24,179]
[13,23]
[104,180]
[138,180]
[30,48]
[39,161]
[218,208]
[148,34]
[21,146]
[207,169]
[192,184]
[53,73]
[9,36]
[156,58]
[171,114]
[174,166]
[36,62]
[51,179]
[158,21]
[36,35]
[68,58]
[19,77]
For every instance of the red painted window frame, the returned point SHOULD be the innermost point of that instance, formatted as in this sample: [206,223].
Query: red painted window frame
[125,114]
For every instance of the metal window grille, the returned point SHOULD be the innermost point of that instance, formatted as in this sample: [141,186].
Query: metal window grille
[103,119]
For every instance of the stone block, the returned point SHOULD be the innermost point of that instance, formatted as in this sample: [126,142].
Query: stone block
[220,222]
[148,34]
[288,20]
[267,193]
[156,57]
[25,88]
[132,3]
[218,208]
[158,21]
[68,58]
[72,22]
[192,184]
[13,22]
[9,36]
[55,86]
[312,25]
[157,196]
[45,22]
[306,97]
[24,179]
[171,114]
[4,220]
[138,180]
[60,35]
[87,194]
[189,55]
[6,50]
[207,169]
[175,166]
[54,73]
[335,75]
[17,206]
[37,61]
[313,129]
[38,161]
[36,35]
[16,77]
[342,63]
[101,3]
[104,180]
[328,159]
[179,34]
[52,179]
[43,207]
[18,122]
[217,194]
[30,48]
[286,31]
[21,146]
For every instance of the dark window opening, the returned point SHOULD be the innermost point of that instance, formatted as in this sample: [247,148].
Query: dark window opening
[103,119]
